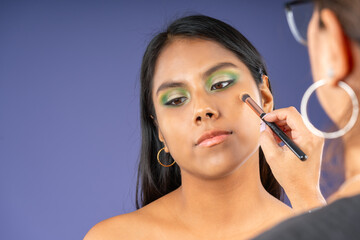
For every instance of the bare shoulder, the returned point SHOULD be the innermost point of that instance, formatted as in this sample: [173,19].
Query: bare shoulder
[139,224]
[112,228]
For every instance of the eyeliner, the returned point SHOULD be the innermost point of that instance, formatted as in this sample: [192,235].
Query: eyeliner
[286,140]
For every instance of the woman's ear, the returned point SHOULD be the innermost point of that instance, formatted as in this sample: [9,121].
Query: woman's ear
[267,99]
[161,136]
[338,46]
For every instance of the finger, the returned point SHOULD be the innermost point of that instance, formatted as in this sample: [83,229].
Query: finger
[277,139]
[289,133]
[281,123]
[290,115]
[286,128]
[281,114]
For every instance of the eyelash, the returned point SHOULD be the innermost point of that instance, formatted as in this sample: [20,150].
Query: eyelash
[229,82]
[172,101]
[212,88]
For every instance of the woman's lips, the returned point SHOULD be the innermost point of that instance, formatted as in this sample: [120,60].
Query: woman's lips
[212,138]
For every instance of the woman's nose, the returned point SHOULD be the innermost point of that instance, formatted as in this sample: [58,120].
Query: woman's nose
[205,113]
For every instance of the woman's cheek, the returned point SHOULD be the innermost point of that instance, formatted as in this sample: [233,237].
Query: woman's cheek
[175,129]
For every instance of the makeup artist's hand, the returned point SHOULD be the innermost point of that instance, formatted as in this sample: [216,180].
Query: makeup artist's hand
[300,179]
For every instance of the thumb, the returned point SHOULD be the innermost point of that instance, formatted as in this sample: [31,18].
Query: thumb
[269,145]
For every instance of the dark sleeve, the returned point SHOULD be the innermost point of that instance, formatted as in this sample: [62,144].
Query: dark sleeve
[339,220]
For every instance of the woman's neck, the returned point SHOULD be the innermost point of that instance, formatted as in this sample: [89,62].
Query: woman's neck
[351,186]
[352,158]
[236,198]
[351,139]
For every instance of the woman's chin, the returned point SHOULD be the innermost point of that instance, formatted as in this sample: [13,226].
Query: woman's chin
[215,168]
[219,164]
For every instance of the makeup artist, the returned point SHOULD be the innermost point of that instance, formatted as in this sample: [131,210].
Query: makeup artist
[201,173]
[333,40]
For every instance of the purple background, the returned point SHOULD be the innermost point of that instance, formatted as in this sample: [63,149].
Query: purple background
[69,90]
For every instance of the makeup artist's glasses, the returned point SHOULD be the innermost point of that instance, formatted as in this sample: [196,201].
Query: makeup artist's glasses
[298,15]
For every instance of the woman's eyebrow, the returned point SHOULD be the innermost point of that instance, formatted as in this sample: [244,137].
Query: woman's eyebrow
[170,85]
[217,67]
[208,72]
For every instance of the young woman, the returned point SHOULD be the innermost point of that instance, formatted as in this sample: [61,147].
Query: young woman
[202,174]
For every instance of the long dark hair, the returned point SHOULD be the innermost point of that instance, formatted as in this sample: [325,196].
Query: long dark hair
[154,181]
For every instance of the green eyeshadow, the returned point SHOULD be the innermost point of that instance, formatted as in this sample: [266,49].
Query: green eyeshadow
[173,94]
[221,76]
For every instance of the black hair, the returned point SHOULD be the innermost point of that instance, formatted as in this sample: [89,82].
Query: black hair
[154,181]
[348,13]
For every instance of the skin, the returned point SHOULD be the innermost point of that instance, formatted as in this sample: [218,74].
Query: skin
[300,179]
[221,196]
[228,111]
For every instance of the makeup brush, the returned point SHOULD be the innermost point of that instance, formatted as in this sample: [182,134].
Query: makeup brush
[286,140]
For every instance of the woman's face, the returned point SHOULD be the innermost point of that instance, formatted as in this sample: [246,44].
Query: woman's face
[201,120]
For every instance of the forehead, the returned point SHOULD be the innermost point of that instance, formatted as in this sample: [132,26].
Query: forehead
[187,58]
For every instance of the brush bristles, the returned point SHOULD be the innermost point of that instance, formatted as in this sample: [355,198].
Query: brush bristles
[244,97]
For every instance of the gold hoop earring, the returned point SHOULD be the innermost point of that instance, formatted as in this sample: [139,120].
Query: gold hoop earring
[164,165]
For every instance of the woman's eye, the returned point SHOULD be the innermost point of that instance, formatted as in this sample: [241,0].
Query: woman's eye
[176,101]
[221,85]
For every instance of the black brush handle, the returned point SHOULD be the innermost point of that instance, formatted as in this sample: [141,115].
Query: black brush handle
[287,141]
